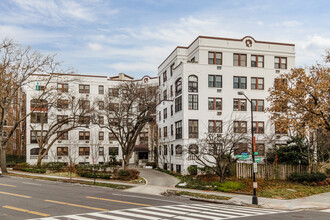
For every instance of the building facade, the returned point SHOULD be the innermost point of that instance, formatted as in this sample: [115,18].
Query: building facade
[199,87]
[88,144]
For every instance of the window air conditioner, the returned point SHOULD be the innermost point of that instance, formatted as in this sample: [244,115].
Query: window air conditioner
[87,142]
[219,113]
[86,157]
[59,158]
[219,67]
[277,71]
[59,142]
[278,136]
[219,90]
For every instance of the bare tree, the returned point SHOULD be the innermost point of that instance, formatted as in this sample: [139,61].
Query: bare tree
[47,126]
[128,108]
[216,150]
[17,64]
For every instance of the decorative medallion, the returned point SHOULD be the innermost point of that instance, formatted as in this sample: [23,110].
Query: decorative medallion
[248,43]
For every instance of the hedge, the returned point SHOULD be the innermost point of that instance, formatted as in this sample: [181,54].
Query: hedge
[307,177]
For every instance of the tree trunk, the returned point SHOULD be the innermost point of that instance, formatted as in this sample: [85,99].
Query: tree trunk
[39,162]
[3,160]
[126,163]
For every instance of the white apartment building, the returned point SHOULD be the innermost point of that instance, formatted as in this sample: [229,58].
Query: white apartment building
[199,87]
[92,144]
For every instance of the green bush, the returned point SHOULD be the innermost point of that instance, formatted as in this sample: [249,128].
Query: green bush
[307,177]
[229,186]
[13,160]
[124,173]
[328,171]
[192,169]
[95,175]
[34,170]
[55,166]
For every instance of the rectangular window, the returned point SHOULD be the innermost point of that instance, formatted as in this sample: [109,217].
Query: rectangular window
[165,131]
[215,58]
[171,69]
[63,119]
[257,61]
[101,105]
[165,94]
[215,126]
[164,76]
[258,127]
[239,104]
[178,104]
[239,59]
[63,136]
[165,150]
[113,151]
[178,130]
[241,148]
[112,137]
[84,119]
[192,102]
[114,92]
[83,88]
[172,149]
[257,83]
[101,151]
[171,110]
[240,82]
[160,132]
[34,139]
[215,81]
[258,105]
[101,135]
[101,120]
[83,151]
[172,131]
[39,117]
[62,151]
[62,87]
[84,104]
[260,149]
[193,128]
[171,91]
[280,62]
[62,104]
[215,103]
[101,90]
[240,126]
[144,138]
[83,135]
[165,113]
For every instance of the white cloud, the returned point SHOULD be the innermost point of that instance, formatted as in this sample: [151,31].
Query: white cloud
[95,46]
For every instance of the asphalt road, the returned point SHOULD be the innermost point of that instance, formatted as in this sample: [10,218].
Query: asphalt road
[23,198]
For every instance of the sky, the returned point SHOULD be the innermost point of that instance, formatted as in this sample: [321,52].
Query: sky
[106,37]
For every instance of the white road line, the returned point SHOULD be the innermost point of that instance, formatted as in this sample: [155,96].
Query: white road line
[235,209]
[77,217]
[134,215]
[165,209]
[142,197]
[221,211]
[107,216]
[245,208]
[151,212]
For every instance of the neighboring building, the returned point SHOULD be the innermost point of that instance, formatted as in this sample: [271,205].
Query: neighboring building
[198,93]
[17,144]
[92,144]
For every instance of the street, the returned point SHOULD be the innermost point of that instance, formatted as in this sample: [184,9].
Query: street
[23,198]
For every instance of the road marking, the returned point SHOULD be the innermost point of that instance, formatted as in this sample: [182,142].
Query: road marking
[78,217]
[326,210]
[76,205]
[36,184]
[111,200]
[25,210]
[108,216]
[142,197]
[7,185]
[13,194]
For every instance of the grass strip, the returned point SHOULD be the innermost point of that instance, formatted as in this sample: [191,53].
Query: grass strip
[201,195]
[109,185]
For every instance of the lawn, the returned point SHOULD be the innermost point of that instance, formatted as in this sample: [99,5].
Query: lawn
[277,189]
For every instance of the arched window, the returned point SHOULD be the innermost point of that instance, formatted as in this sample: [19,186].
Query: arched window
[192,83]
[178,149]
[178,86]
[193,149]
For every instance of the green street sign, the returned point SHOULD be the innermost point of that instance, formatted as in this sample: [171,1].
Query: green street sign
[256,153]
[243,157]
[257,159]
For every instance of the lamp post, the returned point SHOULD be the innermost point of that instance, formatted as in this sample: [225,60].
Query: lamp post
[254,197]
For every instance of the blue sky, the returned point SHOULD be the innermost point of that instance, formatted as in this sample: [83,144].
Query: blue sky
[105,37]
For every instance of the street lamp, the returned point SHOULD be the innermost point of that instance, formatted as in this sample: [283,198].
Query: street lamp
[254,198]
